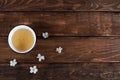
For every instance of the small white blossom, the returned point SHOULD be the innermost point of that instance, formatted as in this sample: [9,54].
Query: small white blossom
[59,50]
[33,69]
[45,35]
[40,57]
[13,62]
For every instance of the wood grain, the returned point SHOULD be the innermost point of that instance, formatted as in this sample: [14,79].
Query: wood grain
[81,71]
[88,31]
[63,23]
[75,49]
[59,5]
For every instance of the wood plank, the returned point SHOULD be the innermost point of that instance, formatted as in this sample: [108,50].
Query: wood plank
[81,71]
[59,5]
[63,23]
[75,49]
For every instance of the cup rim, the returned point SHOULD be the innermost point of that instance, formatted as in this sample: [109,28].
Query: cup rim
[13,31]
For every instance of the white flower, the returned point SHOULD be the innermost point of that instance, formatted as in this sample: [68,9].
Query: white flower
[45,35]
[40,57]
[59,50]
[33,69]
[13,62]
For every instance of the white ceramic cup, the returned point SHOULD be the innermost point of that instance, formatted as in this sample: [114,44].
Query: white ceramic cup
[13,31]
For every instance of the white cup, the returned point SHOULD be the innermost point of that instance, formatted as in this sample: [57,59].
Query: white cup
[12,33]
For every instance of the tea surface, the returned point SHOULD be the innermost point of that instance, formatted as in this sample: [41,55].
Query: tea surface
[22,39]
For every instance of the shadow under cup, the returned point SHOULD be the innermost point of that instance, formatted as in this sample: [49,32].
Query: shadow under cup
[22,39]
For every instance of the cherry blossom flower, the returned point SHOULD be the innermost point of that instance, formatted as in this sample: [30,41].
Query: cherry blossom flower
[45,35]
[59,50]
[13,62]
[33,69]
[40,57]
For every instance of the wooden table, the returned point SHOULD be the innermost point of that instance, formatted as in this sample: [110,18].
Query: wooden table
[88,31]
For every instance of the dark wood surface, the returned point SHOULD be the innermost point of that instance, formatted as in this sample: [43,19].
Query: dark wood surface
[88,31]
[63,71]
[76,49]
[63,23]
[59,5]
